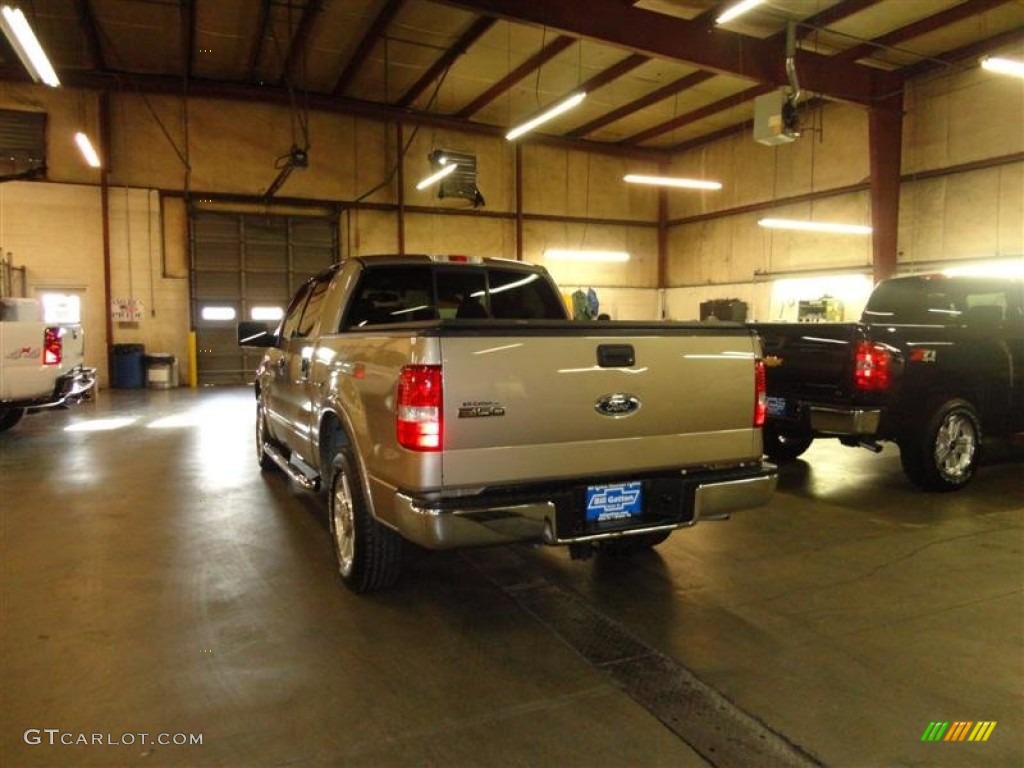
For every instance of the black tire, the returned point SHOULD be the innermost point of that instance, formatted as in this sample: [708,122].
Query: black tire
[262,437]
[940,451]
[631,545]
[9,417]
[368,554]
[785,444]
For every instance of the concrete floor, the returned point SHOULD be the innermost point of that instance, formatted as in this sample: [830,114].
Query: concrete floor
[154,582]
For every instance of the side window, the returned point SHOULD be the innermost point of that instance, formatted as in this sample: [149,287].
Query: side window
[294,311]
[311,313]
[391,294]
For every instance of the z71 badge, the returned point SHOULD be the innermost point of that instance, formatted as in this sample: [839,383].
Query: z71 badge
[480,410]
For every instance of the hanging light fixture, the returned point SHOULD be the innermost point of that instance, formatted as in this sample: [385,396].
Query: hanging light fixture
[563,106]
[816,226]
[672,181]
[86,148]
[24,42]
[437,176]
[737,10]
[585,254]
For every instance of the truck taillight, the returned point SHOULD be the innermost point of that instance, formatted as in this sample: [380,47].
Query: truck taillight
[418,412]
[760,394]
[53,347]
[871,371]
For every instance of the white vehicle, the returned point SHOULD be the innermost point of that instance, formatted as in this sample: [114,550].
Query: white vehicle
[41,364]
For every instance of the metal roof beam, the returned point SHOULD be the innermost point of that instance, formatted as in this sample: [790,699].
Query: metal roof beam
[366,44]
[299,41]
[262,24]
[87,19]
[470,36]
[532,64]
[693,42]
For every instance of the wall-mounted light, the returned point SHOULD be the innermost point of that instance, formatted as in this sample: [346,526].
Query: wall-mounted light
[737,10]
[999,268]
[573,254]
[1003,66]
[24,42]
[816,226]
[672,181]
[435,177]
[563,106]
[86,148]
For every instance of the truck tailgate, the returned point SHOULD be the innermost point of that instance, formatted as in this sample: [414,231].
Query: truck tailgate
[561,405]
[808,360]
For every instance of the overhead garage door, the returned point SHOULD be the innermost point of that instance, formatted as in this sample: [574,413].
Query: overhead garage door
[247,266]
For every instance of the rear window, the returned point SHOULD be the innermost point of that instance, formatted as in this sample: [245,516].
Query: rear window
[940,301]
[390,294]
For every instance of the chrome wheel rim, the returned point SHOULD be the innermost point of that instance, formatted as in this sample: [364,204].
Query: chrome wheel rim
[955,445]
[342,523]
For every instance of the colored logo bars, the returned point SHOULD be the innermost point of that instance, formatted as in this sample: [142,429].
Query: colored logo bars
[961,730]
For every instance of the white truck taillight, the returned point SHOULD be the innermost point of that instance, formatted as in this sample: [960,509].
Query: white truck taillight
[760,394]
[418,412]
[53,347]
[871,372]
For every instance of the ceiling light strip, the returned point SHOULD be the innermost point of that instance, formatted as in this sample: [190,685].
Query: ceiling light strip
[816,226]
[24,42]
[86,148]
[737,10]
[563,106]
[1003,66]
[573,254]
[672,181]
[436,177]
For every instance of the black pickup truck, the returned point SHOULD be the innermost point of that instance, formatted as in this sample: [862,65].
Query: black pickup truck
[935,365]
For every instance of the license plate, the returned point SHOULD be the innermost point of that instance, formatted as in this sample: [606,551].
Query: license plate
[617,501]
[776,406]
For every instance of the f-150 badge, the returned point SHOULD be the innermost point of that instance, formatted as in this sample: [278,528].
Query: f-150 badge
[480,410]
[617,404]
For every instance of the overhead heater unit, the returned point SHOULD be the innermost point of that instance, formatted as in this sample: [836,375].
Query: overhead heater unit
[462,181]
[775,118]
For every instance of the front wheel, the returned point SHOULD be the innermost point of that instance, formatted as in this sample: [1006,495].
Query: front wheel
[368,554]
[785,444]
[940,451]
[9,417]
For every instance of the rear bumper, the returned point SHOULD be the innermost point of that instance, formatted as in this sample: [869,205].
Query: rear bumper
[547,515]
[76,383]
[845,421]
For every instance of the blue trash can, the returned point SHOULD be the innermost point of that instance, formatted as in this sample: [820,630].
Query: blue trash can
[128,368]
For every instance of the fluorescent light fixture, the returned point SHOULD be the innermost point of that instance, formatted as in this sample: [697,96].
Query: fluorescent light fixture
[563,106]
[436,177]
[266,313]
[570,254]
[85,147]
[734,11]
[1009,267]
[816,226]
[671,181]
[1003,66]
[217,313]
[25,44]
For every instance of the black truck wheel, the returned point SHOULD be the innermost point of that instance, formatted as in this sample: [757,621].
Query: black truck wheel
[369,555]
[9,417]
[784,444]
[631,545]
[940,451]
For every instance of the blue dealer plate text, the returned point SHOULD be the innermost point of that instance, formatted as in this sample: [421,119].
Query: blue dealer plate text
[619,501]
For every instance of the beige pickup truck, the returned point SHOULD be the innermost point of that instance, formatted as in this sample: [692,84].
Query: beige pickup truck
[450,402]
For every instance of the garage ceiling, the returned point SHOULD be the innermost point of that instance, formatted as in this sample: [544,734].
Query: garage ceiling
[660,75]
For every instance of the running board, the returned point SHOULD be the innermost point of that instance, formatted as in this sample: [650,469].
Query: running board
[309,482]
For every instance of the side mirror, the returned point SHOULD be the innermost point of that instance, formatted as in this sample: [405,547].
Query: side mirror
[252,333]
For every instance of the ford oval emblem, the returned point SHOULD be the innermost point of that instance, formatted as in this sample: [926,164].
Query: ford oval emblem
[617,404]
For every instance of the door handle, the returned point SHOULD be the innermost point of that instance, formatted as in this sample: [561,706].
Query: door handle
[304,366]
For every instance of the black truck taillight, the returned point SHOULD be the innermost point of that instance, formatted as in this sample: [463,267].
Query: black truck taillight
[53,347]
[418,412]
[871,367]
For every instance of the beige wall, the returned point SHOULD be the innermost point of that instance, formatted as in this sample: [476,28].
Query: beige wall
[55,229]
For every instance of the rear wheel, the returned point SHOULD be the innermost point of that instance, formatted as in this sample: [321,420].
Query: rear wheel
[9,417]
[368,554]
[940,450]
[630,545]
[782,444]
